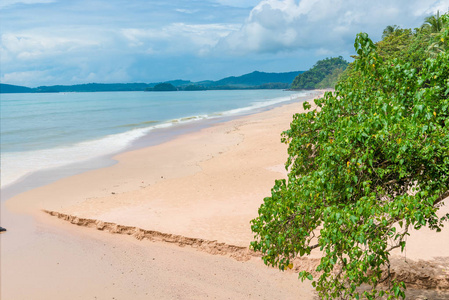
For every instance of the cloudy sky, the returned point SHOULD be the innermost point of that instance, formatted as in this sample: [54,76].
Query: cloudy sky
[47,42]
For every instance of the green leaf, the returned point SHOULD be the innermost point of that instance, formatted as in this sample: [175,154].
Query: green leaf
[373,156]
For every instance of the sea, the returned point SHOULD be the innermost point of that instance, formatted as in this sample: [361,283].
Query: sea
[54,131]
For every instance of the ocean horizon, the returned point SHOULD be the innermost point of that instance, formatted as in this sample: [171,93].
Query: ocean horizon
[48,131]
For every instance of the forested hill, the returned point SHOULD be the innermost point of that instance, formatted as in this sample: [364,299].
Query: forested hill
[104,87]
[323,74]
[9,88]
[254,80]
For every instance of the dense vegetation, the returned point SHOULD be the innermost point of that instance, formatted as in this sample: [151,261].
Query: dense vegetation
[323,74]
[367,164]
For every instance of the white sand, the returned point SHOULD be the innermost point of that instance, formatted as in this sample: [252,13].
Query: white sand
[204,185]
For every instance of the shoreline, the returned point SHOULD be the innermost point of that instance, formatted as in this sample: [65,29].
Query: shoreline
[39,244]
[172,162]
[153,137]
[198,189]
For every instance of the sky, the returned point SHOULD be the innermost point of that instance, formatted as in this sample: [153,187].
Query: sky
[49,42]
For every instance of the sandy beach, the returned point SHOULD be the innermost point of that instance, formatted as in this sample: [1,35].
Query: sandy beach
[171,221]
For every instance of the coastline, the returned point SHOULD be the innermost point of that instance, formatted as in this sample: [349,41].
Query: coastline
[52,167]
[178,163]
[204,186]
[39,244]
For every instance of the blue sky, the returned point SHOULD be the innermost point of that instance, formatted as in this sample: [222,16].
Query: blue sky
[47,42]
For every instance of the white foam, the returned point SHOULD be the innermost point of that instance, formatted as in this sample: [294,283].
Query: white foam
[191,119]
[18,164]
[262,104]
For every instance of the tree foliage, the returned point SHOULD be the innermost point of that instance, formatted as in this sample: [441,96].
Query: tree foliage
[440,39]
[434,23]
[367,164]
[320,73]
[390,29]
[331,79]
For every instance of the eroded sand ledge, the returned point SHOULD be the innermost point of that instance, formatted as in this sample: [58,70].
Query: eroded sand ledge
[431,274]
[212,247]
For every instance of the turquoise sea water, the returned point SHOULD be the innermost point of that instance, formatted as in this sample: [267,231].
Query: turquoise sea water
[42,131]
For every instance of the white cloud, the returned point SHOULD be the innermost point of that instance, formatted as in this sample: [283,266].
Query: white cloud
[23,78]
[6,3]
[102,75]
[127,41]
[186,11]
[178,37]
[93,54]
[239,3]
[329,26]
[32,45]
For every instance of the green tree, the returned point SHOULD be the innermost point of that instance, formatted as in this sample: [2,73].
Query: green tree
[413,46]
[318,73]
[440,39]
[396,43]
[331,79]
[367,164]
[389,30]
[433,23]
[406,45]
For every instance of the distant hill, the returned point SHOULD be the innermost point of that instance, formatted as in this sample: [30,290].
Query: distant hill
[9,88]
[163,87]
[94,87]
[177,83]
[254,80]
